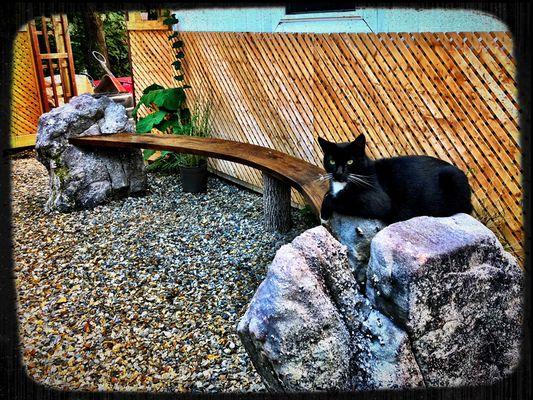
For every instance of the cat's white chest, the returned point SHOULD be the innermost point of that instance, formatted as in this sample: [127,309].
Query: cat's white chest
[337,187]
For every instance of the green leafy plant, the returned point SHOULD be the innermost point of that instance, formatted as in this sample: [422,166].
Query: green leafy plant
[169,113]
[117,44]
[168,110]
[199,126]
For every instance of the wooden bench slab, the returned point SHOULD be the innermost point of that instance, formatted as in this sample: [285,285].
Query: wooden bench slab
[300,174]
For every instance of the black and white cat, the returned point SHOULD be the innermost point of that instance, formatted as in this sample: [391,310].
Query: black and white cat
[390,189]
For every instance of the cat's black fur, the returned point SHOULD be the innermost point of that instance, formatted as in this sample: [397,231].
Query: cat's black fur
[390,189]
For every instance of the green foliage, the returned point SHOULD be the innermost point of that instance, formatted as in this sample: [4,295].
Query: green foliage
[170,20]
[167,102]
[80,45]
[117,46]
[199,126]
[151,121]
[167,162]
[308,216]
[147,154]
[153,86]
[169,113]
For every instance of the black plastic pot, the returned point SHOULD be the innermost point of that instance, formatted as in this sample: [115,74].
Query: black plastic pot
[194,179]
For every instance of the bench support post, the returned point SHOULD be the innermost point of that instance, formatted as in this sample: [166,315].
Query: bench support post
[276,204]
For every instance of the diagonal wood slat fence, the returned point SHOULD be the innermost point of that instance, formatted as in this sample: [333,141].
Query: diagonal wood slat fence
[26,105]
[450,95]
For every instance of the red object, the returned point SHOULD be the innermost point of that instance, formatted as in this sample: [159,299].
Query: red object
[125,81]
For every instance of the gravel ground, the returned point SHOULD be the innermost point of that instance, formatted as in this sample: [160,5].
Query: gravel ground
[142,293]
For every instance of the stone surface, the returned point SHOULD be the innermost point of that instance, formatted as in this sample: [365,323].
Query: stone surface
[83,178]
[292,330]
[309,328]
[381,352]
[449,283]
[356,234]
[442,306]
[384,359]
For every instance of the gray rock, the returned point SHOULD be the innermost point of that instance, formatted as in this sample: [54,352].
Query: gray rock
[442,307]
[292,330]
[356,234]
[309,328]
[83,178]
[457,293]
[385,358]
[382,356]
[115,119]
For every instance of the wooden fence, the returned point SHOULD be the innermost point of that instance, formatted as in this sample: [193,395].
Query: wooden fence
[26,105]
[451,95]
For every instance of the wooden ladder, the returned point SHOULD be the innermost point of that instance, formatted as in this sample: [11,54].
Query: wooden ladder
[53,60]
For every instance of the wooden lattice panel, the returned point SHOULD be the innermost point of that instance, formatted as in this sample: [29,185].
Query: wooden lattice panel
[151,59]
[25,101]
[451,95]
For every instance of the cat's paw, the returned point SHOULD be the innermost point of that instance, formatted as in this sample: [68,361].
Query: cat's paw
[325,223]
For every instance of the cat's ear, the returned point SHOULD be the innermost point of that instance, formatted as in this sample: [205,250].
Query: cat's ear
[324,144]
[358,145]
[360,141]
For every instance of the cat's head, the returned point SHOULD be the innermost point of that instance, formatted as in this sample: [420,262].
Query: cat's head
[343,159]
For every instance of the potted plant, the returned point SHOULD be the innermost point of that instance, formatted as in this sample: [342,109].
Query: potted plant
[169,114]
[193,168]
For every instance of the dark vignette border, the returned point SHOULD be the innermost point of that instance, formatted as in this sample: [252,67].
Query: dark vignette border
[15,384]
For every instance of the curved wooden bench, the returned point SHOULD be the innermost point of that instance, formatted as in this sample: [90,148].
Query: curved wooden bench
[280,170]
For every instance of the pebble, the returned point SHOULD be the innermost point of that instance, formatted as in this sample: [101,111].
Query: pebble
[143,293]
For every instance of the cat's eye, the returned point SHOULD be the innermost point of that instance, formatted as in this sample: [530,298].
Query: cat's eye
[332,162]
[349,162]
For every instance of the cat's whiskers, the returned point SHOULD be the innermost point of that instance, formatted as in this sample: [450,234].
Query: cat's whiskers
[354,178]
[359,176]
[324,177]
[357,179]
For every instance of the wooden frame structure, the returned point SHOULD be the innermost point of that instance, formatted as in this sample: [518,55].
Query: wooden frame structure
[26,105]
[33,89]
[56,55]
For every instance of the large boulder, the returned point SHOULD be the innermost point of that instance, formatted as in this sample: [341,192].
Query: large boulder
[356,234]
[442,306]
[308,328]
[295,336]
[381,356]
[449,283]
[384,358]
[81,177]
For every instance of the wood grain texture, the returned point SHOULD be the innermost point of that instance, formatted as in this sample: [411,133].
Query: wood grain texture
[295,172]
[26,105]
[450,95]
[151,58]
